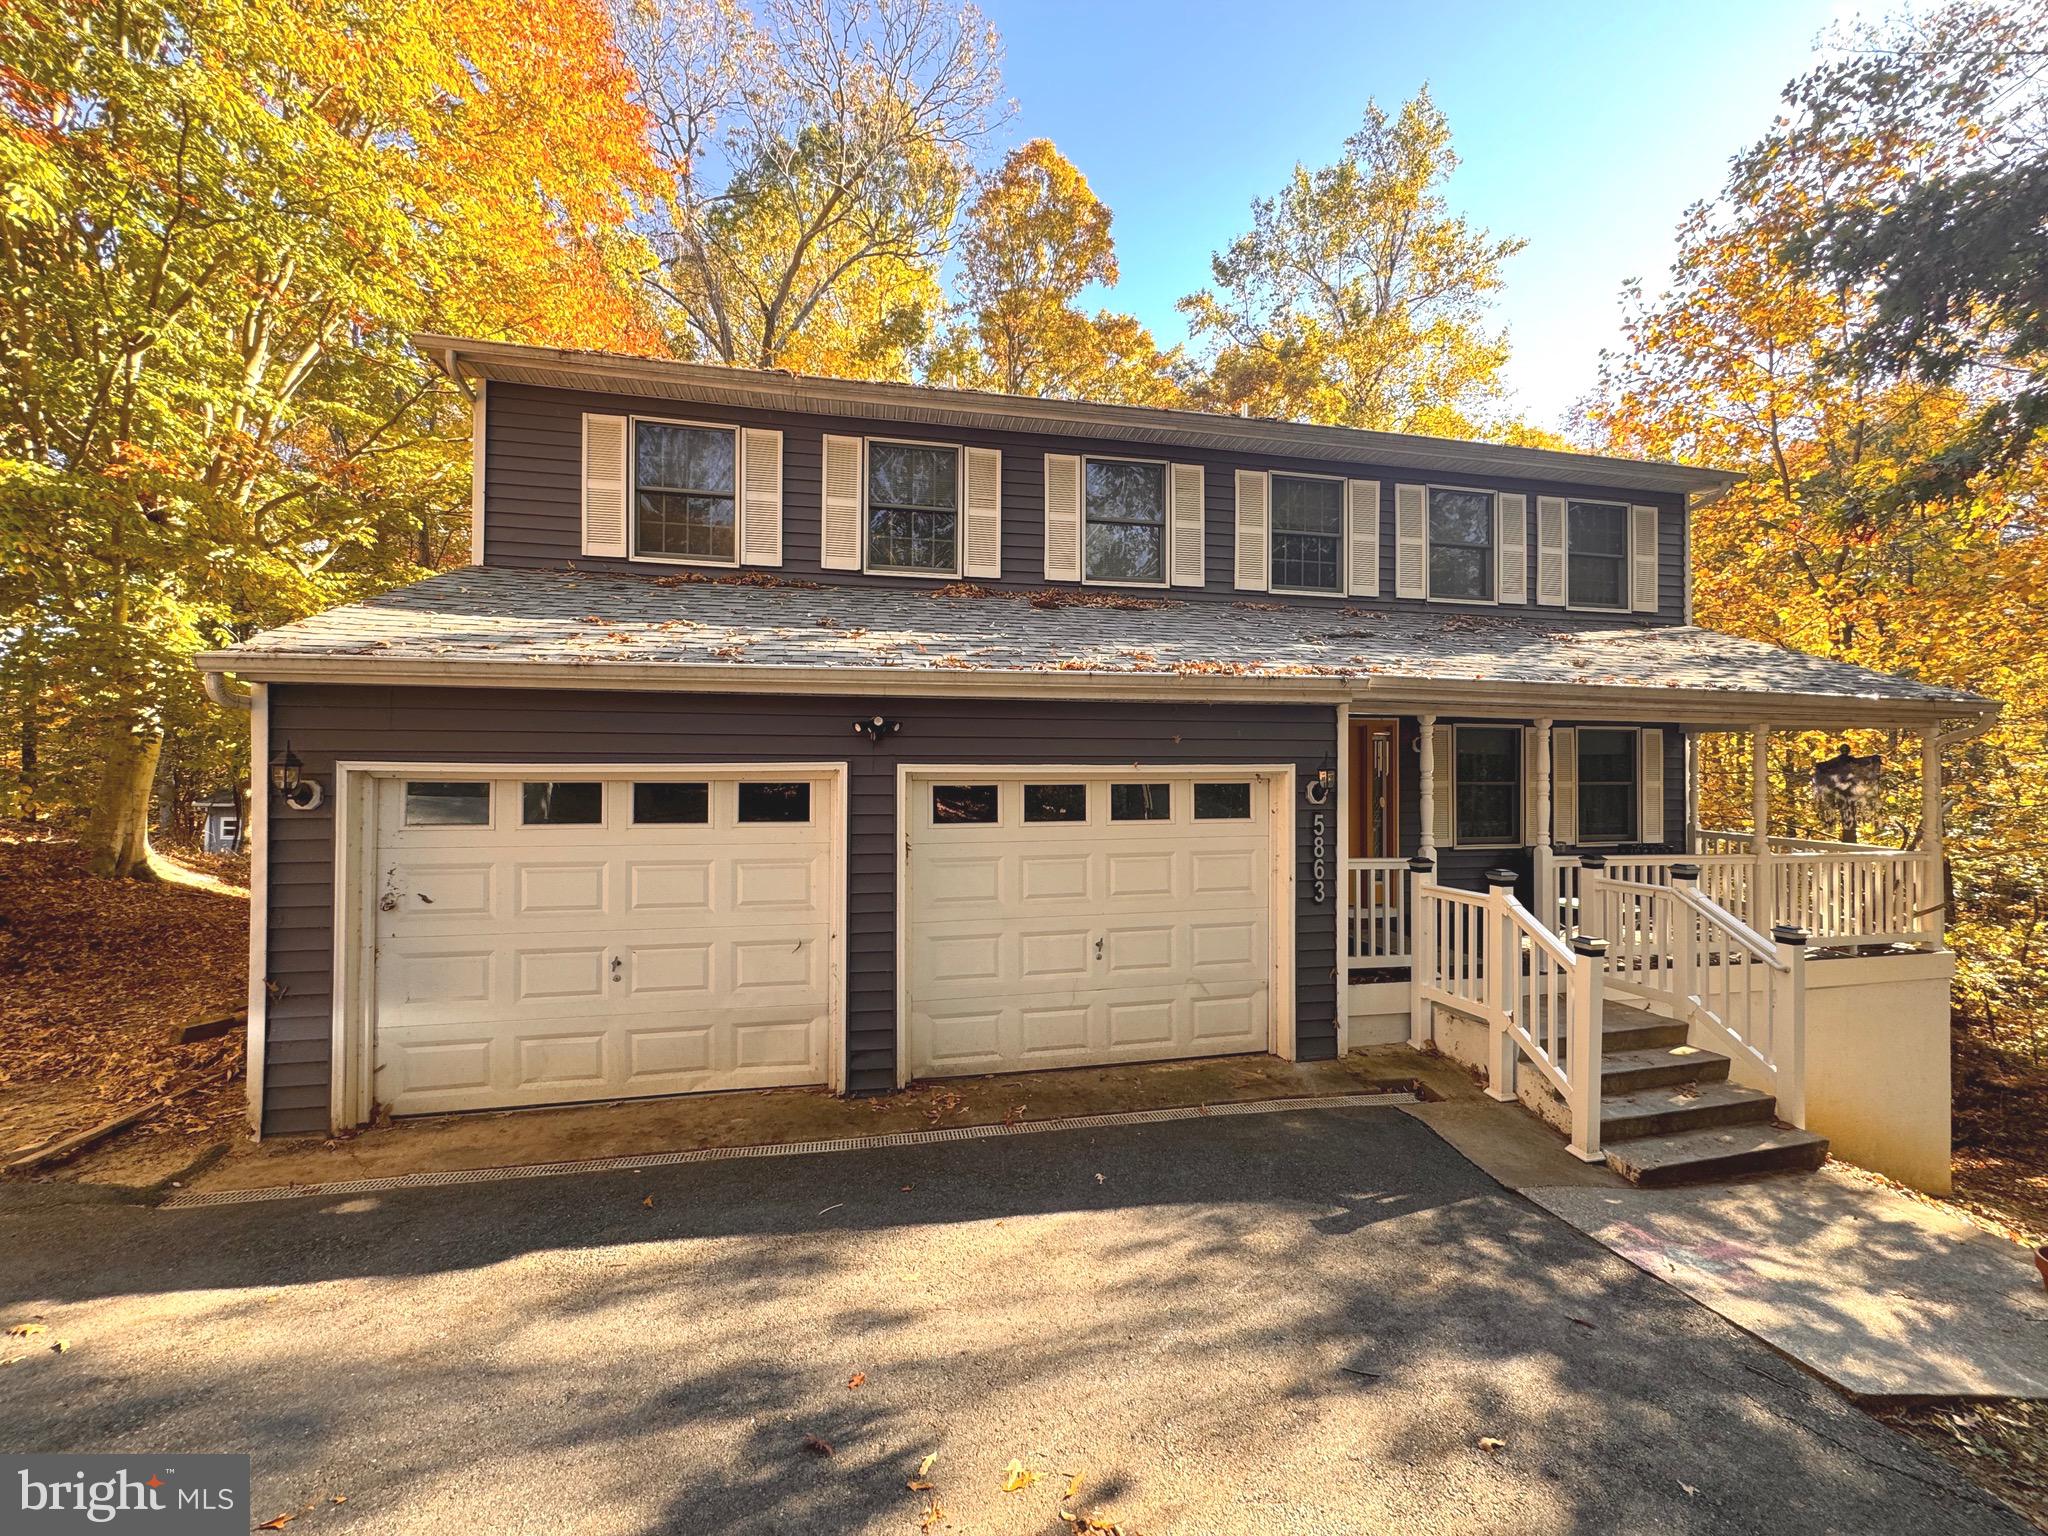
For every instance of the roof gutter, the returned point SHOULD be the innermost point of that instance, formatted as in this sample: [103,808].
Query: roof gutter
[223,693]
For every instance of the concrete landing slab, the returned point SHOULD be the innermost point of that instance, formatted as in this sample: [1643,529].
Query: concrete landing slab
[1887,1298]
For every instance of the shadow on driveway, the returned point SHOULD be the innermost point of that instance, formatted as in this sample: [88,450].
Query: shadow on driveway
[1291,1322]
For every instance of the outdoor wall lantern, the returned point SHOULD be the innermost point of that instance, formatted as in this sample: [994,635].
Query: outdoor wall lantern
[876,728]
[301,794]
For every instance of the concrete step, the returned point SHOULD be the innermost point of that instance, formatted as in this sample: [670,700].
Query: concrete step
[1629,1029]
[1659,1067]
[1682,1107]
[1726,1152]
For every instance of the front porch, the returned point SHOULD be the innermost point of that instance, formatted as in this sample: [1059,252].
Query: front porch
[1799,984]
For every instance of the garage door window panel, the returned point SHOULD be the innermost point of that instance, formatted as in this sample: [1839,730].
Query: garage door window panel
[1055,802]
[965,805]
[447,803]
[562,803]
[1141,802]
[776,803]
[1223,802]
[672,803]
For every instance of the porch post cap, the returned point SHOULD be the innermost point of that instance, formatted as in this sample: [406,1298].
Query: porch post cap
[1586,944]
[1685,871]
[1791,933]
[1421,864]
[1593,860]
[1501,877]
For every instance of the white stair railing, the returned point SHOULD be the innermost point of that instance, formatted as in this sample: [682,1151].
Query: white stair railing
[1486,955]
[1673,946]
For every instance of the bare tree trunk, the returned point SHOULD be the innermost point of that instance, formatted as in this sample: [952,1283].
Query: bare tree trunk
[116,838]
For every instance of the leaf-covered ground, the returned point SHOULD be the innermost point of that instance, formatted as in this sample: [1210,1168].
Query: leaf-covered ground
[2001,1131]
[2002,1446]
[93,975]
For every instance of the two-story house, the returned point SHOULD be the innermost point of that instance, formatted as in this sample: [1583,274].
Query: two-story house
[803,731]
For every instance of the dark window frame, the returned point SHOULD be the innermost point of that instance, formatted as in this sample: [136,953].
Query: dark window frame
[1274,534]
[868,507]
[1633,783]
[1513,838]
[634,545]
[1489,566]
[1164,524]
[1622,562]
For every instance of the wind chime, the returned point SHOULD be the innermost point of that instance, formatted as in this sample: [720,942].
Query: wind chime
[1842,784]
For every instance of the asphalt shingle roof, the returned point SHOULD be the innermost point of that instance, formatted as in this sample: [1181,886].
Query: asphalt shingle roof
[512,616]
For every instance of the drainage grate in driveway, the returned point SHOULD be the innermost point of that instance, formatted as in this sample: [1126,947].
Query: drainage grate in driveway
[185,1200]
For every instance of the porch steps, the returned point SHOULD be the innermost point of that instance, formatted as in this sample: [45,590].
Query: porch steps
[1669,1114]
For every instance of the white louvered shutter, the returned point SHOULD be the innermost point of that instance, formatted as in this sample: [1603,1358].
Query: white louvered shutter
[1443,760]
[1529,750]
[604,484]
[1550,551]
[1642,546]
[1564,787]
[1362,528]
[1062,517]
[1513,585]
[984,520]
[760,496]
[1253,522]
[1190,560]
[1650,786]
[839,539]
[1411,541]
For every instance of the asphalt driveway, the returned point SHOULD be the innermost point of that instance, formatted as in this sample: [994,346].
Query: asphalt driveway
[1292,1322]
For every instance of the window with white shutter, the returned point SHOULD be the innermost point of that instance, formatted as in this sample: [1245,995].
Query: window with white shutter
[761,496]
[1650,815]
[1550,551]
[1643,561]
[1411,541]
[984,512]
[1190,526]
[1362,505]
[1251,530]
[1564,786]
[1513,586]
[840,535]
[604,484]
[1062,517]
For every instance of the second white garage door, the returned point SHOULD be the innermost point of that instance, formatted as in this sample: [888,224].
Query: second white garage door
[1061,920]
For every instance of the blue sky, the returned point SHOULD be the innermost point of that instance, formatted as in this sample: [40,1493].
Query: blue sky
[1585,128]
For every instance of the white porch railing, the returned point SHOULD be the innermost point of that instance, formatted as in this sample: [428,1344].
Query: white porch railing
[1671,945]
[1486,955]
[1377,920]
[1839,893]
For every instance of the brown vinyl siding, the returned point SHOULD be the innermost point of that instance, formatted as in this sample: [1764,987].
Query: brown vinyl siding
[533,498]
[326,724]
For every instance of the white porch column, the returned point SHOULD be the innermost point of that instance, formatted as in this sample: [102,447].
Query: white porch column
[1763,884]
[1934,890]
[1427,780]
[1542,864]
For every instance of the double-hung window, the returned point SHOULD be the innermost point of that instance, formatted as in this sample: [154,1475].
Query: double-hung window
[1597,543]
[1461,545]
[1124,518]
[1489,785]
[1607,786]
[1308,534]
[913,508]
[684,484]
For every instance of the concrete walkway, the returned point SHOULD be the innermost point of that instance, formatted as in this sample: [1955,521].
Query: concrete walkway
[1883,1296]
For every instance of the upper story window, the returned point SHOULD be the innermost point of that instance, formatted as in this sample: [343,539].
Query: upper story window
[1597,543]
[1461,537]
[913,508]
[1489,785]
[1308,534]
[685,483]
[1124,517]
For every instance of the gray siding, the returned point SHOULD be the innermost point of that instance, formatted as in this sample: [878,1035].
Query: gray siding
[444,724]
[533,497]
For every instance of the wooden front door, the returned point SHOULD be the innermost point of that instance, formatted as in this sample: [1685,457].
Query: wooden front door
[1376,789]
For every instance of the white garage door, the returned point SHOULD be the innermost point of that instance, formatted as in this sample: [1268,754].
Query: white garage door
[1067,920]
[541,941]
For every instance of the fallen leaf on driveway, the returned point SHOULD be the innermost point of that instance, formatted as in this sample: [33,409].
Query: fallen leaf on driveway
[278,1524]
[1690,1491]
[1073,1487]
[1489,1443]
[924,1467]
[918,1485]
[816,1446]
[855,1379]
[23,1330]
[341,1498]
[648,1201]
[931,1517]
[62,1347]
[1020,1478]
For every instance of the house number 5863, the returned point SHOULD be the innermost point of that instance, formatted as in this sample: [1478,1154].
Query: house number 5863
[1319,828]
